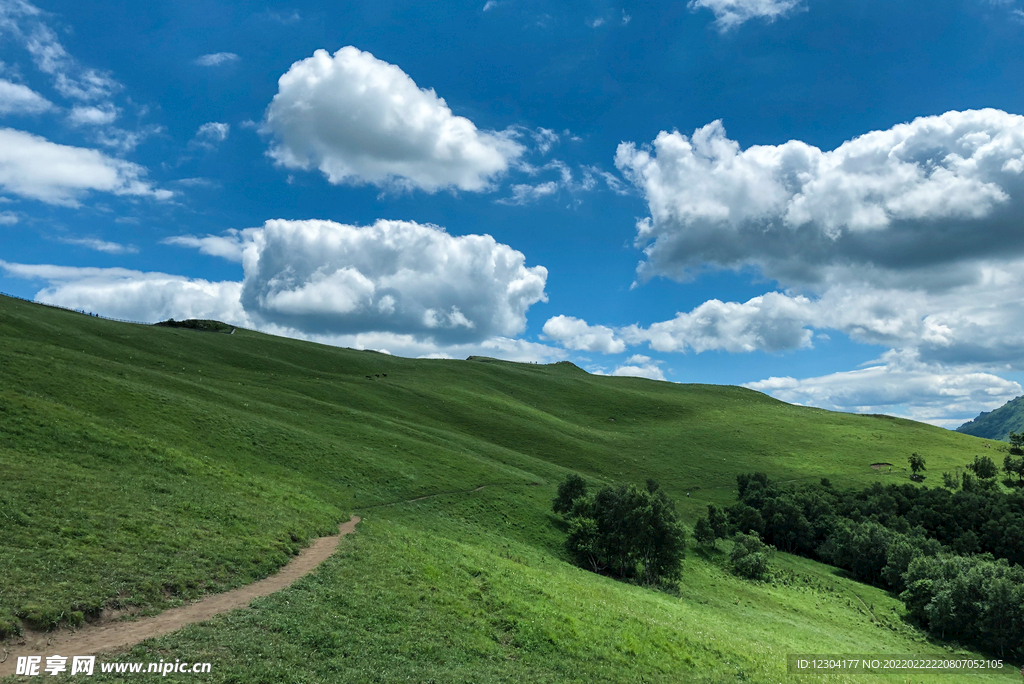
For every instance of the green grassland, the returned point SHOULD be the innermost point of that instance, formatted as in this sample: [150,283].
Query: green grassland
[143,466]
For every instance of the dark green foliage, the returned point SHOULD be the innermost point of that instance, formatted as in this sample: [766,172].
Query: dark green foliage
[703,533]
[860,547]
[569,490]
[626,532]
[972,600]
[749,557]
[916,463]
[197,324]
[984,467]
[904,538]
[718,521]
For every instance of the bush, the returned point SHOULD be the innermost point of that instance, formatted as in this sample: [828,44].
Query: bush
[626,532]
[749,557]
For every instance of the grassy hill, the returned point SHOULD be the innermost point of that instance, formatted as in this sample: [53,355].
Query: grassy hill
[147,465]
[997,424]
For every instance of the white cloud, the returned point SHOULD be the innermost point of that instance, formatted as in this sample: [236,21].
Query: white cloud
[285,18]
[772,322]
[125,141]
[151,297]
[361,120]
[636,366]
[8,218]
[93,115]
[524,193]
[18,99]
[907,237]
[490,4]
[595,22]
[101,245]
[217,59]
[731,13]
[229,246]
[899,384]
[135,295]
[22,21]
[211,134]
[651,372]
[575,333]
[33,167]
[393,276]
[545,139]
[930,192]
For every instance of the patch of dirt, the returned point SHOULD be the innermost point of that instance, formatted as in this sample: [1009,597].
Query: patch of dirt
[879,466]
[109,633]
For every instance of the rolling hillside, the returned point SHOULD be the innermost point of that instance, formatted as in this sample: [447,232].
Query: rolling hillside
[147,465]
[997,424]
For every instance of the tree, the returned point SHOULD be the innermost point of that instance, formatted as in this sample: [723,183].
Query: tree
[749,557]
[718,522]
[625,531]
[1017,443]
[703,533]
[984,467]
[1014,466]
[569,490]
[916,464]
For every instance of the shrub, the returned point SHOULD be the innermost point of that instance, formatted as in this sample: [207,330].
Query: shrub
[749,557]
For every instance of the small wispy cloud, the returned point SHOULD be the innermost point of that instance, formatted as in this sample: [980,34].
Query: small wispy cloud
[8,218]
[594,23]
[217,59]
[285,17]
[210,135]
[490,4]
[102,115]
[101,245]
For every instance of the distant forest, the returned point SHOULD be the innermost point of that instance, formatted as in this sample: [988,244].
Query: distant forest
[955,554]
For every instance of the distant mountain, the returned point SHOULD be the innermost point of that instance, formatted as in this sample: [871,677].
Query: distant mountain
[997,424]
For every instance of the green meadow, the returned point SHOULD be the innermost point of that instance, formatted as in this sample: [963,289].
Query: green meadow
[144,466]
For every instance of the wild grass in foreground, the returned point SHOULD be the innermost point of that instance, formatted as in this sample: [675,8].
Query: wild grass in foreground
[474,588]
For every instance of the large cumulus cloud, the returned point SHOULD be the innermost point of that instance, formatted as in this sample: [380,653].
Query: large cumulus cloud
[405,287]
[908,237]
[360,120]
[398,276]
[928,193]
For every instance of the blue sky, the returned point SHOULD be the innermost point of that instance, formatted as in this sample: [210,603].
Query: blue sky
[819,200]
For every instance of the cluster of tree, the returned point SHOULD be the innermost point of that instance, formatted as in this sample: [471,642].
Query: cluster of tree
[912,540]
[975,600]
[800,519]
[984,470]
[627,532]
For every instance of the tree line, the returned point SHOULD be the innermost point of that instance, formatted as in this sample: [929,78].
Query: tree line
[954,557]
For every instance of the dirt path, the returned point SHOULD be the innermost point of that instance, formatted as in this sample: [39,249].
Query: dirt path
[92,639]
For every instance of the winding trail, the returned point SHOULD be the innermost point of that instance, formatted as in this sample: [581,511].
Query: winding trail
[109,635]
[97,638]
